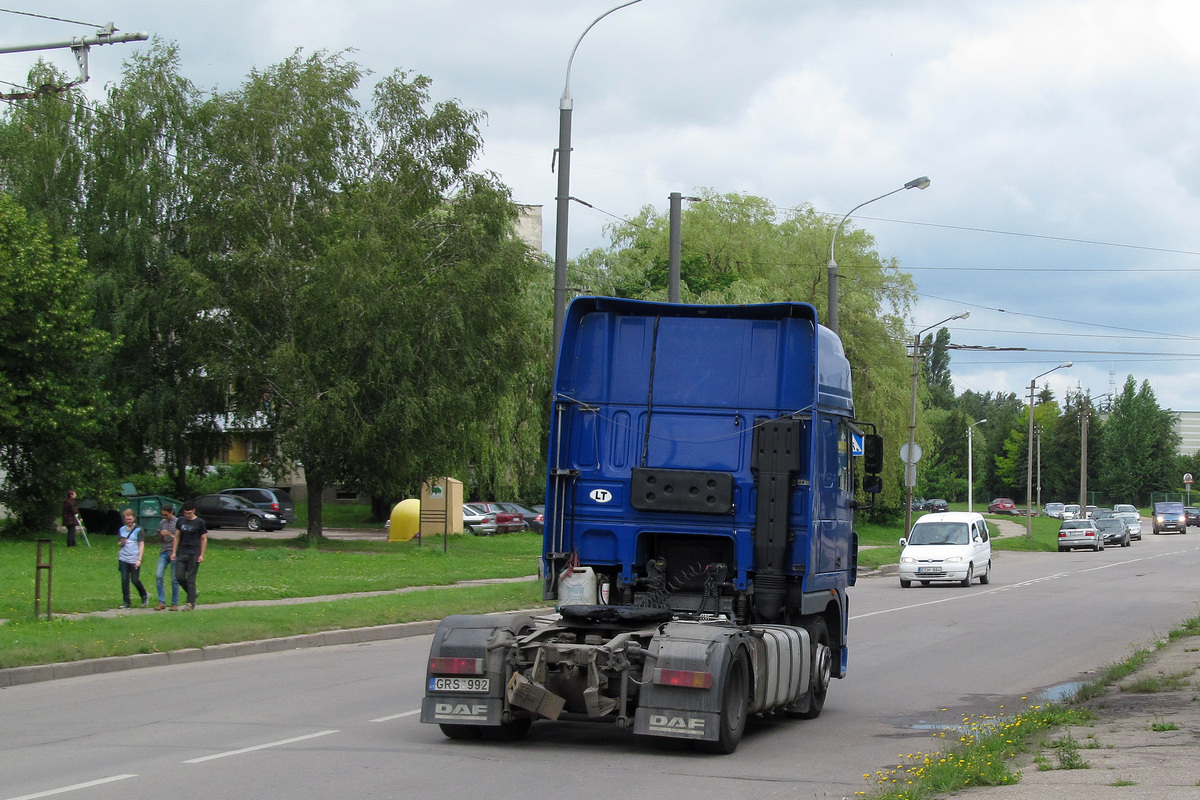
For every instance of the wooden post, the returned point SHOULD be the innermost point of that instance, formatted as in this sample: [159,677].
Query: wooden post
[46,565]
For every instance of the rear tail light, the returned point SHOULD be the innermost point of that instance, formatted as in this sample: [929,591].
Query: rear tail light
[456,666]
[274,506]
[690,679]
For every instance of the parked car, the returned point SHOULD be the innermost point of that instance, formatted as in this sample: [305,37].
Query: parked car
[534,520]
[1133,523]
[1002,505]
[506,521]
[220,510]
[946,546]
[1113,530]
[1075,533]
[918,504]
[1169,516]
[276,500]
[938,506]
[1054,510]
[1193,515]
[477,521]
[1071,511]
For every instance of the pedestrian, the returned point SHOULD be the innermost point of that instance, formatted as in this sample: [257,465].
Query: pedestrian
[129,558]
[191,540]
[166,537]
[70,517]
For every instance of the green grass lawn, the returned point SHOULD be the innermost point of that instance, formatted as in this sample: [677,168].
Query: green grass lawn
[86,579]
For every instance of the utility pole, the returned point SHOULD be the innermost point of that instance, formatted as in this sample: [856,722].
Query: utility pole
[1084,415]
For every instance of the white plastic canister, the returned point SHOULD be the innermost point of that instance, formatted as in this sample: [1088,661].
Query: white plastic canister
[578,588]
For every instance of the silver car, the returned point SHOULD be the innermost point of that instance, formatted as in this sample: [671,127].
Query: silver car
[1075,533]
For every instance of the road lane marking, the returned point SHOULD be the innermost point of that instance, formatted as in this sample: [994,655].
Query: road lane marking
[50,792]
[258,747]
[397,716]
[1022,584]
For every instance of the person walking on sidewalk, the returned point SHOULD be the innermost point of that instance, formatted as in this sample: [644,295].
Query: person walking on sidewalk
[129,558]
[191,540]
[166,537]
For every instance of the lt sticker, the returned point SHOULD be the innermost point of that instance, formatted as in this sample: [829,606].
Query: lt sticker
[601,495]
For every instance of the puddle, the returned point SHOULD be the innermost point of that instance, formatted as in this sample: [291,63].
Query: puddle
[1062,692]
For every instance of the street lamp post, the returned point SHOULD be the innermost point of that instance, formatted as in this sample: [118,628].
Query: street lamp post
[1029,454]
[971,466]
[832,314]
[910,458]
[563,156]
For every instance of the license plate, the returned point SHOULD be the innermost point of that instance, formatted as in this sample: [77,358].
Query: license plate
[459,684]
[929,569]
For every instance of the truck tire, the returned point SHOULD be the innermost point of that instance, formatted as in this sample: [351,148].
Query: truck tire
[735,702]
[461,732]
[820,671]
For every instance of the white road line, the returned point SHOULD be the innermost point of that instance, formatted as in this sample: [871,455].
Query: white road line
[1012,586]
[50,792]
[397,716]
[257,747]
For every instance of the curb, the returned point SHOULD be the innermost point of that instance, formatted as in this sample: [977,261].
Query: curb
[17,676]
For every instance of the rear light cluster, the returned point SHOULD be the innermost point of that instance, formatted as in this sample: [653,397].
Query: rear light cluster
[456,666]
[690,679]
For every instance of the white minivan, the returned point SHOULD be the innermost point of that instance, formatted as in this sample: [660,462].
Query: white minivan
[951,546]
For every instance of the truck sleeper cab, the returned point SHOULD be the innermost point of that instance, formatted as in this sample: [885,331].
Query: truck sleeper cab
[698,534]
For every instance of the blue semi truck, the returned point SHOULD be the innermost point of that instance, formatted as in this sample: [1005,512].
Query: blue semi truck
[699,534]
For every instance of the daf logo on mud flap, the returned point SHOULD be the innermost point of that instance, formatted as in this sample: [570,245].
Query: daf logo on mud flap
[601,495]
[467,710]
[676,724]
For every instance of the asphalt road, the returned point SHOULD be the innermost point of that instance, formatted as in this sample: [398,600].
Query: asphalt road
[338,721]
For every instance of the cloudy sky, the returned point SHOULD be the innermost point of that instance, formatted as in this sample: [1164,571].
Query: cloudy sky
[1061,137]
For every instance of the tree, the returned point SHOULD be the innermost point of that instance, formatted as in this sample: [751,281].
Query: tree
[935,365]
[138,236]
[367,272]
[1139,447]
[51,414]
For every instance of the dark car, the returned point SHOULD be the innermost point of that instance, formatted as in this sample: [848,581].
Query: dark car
[534,521]
[1113,530]
[1193,515]
[1002,505]
[276,500]
[220,510]
[938,506]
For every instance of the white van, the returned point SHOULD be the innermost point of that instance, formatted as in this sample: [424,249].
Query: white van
[952,546]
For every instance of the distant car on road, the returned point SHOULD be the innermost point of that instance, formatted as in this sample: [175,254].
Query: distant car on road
[1074,533]
[1133,522]
[938,506]
[953,546]
[1193,515]
[1054,510]
[1002,505]
[1126,508]
[1113,530]
[1169,516]
[1071,511]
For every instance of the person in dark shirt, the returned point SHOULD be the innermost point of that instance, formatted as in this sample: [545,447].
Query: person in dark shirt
[187,552]
[70,517]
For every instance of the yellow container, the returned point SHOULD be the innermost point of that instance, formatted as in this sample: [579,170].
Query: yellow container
[405,521]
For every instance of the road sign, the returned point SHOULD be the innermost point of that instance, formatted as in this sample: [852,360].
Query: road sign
[1187,478]
[905,453]
[856,444]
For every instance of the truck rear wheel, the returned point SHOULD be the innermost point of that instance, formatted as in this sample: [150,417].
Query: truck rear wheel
[735,702]
[820,672]
[460,731]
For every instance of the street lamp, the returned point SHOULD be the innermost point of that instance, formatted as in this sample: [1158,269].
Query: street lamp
[910,456]
[971,467]
[832,322]
[563,154]
[1029,456]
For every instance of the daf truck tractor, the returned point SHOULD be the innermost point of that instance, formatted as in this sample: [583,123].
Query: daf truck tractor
[698,540]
